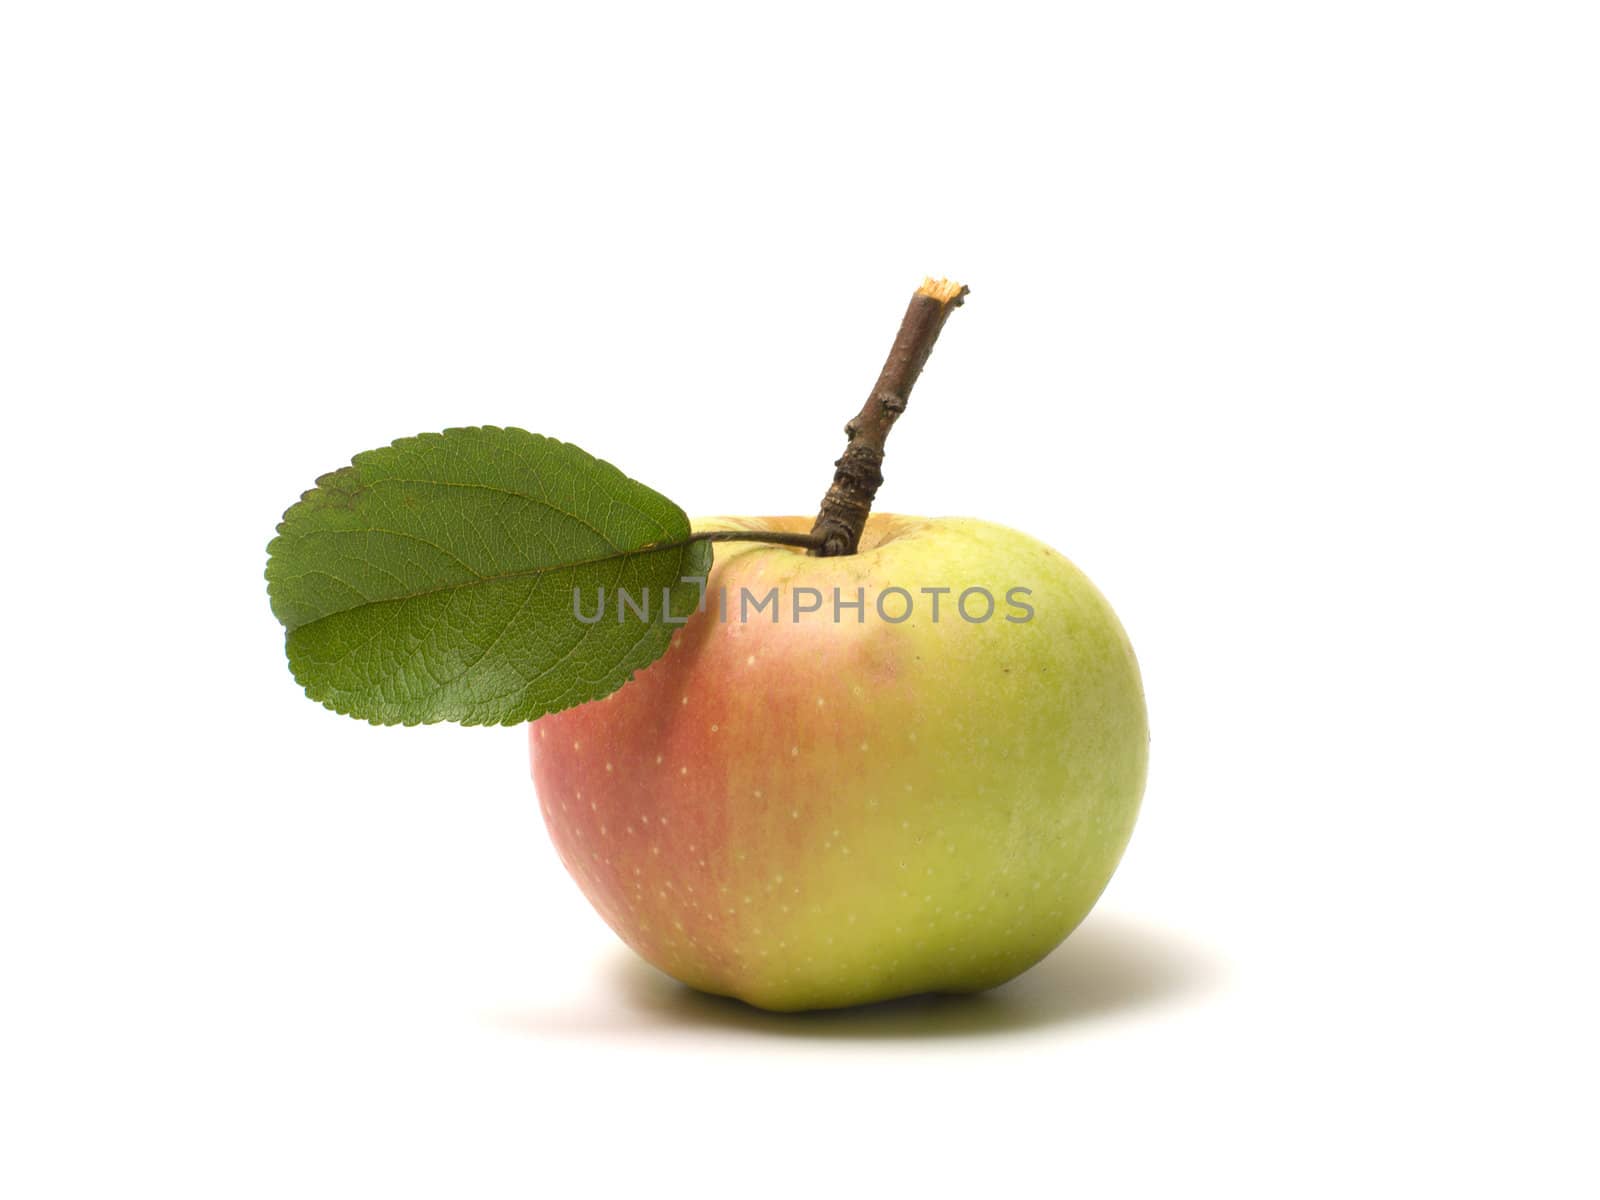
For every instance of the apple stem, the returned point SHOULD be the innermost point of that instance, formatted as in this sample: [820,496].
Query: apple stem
[858,473]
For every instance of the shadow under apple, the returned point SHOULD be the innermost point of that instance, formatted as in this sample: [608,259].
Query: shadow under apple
[1110,966]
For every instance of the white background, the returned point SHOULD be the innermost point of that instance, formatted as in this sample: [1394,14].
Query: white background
[1283,326]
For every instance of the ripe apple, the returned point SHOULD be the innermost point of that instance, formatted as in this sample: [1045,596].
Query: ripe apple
[810,813]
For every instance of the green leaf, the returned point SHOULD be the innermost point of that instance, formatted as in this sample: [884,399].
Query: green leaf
[433,580]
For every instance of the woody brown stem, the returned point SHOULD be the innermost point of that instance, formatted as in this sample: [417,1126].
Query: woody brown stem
[858,473]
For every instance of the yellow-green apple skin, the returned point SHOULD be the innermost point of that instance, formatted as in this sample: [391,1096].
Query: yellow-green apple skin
[809,814]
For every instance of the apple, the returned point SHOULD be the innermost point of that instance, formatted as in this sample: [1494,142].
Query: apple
[808,812]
